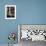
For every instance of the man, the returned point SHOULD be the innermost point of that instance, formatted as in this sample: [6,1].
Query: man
[10,12]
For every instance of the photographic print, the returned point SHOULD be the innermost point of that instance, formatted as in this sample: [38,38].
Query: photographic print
[30,33]
[10,11]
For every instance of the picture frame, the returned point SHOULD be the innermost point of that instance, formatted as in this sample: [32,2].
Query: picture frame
[10,11]
[36,32]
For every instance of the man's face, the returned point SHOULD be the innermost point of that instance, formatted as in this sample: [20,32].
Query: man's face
[10,11]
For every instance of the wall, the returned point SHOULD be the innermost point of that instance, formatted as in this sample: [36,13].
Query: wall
[27,12]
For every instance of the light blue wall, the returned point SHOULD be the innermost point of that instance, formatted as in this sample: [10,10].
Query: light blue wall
[27,12]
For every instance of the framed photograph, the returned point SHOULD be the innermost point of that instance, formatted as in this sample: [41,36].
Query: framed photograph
[10,11]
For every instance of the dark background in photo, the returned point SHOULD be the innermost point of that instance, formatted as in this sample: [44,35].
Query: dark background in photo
[10,12]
